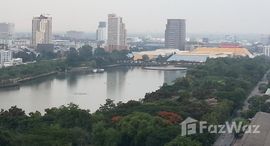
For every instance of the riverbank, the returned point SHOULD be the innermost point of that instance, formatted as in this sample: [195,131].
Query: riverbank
[88,90]
[17,82]
[14,76]
[169,68]
[36,77]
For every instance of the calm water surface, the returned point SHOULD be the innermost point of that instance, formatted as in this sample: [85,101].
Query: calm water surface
[88,91]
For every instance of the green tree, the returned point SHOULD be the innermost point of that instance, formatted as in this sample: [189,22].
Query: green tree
[104,136]
[183,141]
[145,58]
[85,52]
[100,52]
[136,128]
[72,57]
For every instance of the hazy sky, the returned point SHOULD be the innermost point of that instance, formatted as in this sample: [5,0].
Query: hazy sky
[203,16]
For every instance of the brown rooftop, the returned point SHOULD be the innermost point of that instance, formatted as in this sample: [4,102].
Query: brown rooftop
[257,139]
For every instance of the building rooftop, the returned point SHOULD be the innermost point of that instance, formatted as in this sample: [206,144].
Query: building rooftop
[156,53]
[188,58]
[227,51]
[257,139]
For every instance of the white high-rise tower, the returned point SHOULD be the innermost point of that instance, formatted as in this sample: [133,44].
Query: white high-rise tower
[41,30]
[117,33]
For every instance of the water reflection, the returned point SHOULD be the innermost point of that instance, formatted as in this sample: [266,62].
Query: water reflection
[115,83]
[72,80]
[88,91]
[170,76]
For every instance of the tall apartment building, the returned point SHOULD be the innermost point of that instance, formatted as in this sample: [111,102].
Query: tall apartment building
[101,34]
[175,34]
[117,33]
[41,30]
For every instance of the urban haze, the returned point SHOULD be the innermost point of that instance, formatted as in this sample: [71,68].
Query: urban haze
[134,73]
[207,16]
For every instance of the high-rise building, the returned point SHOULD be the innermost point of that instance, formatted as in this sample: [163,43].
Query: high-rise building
[101,35]
[175,34]
[117,33]
[41,30]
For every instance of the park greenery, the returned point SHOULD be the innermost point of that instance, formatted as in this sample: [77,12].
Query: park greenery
[257,104]
[154,120]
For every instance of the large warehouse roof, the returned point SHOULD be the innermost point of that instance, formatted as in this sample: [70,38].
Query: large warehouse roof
[226,51]
[188,58]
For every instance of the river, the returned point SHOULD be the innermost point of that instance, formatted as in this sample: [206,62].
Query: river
[89,91]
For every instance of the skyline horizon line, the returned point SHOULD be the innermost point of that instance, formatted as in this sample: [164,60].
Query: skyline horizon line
[132,32]
[158,33]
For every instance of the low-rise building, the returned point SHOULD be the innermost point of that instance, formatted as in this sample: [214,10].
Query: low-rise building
[17,61]
[198,55]
[6,59]
[225,52]
[5,56]
[188,58]
[154,54]
[266,50]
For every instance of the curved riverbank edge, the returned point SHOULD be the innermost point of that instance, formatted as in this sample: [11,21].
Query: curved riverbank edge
[165,68]
[17,82]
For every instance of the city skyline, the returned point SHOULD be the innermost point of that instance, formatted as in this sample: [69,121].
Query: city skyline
[232,16]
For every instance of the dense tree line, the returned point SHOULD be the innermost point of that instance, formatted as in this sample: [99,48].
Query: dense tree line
[99,55]
[153,121]
[82,57]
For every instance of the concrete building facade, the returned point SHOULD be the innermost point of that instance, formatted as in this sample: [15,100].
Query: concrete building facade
[5,56]
[117,33]
[41,30]
[175,34]
[267,50]
[101,34]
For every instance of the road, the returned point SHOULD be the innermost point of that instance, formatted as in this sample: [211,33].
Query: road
[256,91]
[227,139]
